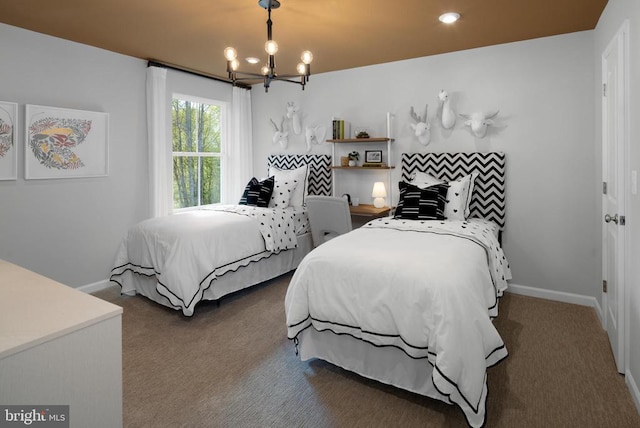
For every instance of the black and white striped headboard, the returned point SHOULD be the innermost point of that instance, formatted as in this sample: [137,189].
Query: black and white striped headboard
[320,170]
[488,199]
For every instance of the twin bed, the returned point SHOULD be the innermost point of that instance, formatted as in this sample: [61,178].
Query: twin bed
[207,253]
[407,301]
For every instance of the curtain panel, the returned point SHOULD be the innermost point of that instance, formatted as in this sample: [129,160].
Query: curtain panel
[239,168]
[160,182]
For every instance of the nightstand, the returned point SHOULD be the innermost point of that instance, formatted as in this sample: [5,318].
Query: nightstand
[364,213]
[365,210]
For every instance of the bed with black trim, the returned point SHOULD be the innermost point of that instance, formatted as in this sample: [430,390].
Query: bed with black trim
[207,253]
[408,300]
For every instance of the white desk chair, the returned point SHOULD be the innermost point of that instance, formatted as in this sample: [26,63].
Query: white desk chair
[329,216]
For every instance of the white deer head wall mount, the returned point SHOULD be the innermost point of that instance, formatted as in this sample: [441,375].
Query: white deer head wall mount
[479,122]
[422,127]
[280,136]
[293,113]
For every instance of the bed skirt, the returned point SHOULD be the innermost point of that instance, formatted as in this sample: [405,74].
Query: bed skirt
[252,274]
[388,365]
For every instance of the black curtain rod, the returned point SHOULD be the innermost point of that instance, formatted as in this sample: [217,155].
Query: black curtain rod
[153,63]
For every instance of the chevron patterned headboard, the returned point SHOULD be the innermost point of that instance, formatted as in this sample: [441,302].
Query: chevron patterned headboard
[488,199]
[320,170]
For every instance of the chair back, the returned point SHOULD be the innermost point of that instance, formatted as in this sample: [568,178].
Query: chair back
[329,216]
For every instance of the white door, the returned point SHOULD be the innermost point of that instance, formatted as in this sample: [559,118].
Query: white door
[614,144]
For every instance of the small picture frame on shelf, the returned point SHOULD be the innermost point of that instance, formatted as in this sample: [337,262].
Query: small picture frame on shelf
[373,156]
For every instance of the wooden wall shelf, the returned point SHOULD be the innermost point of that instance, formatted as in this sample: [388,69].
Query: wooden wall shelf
[385,157]
[370,168]
[361,140]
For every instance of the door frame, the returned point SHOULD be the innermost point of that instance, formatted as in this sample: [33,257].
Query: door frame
[621,36]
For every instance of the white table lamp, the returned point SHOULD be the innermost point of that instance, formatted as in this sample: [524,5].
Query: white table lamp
[379,193]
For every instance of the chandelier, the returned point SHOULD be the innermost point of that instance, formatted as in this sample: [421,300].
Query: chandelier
[268,71]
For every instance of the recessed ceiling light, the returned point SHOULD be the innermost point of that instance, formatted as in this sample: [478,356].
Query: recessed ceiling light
[449,17]
[252,60]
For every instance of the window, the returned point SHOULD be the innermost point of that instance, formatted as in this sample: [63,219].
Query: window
[198,147]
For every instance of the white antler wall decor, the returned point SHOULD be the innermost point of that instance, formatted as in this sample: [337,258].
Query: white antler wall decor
[479,122]
[422,127]
[293,113]
[448,116]
[280,136]
[314,135]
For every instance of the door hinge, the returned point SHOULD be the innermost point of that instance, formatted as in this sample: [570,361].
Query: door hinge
[604,187]
[622,220]
[604,89]
[604,285]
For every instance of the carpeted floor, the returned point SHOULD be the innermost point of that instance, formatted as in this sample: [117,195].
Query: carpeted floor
[232,366]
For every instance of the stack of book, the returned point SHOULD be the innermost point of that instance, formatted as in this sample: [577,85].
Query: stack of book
[341,129]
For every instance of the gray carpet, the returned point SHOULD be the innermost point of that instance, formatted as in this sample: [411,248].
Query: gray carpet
[232,366]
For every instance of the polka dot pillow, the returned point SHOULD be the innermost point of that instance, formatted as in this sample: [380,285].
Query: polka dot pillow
[282,192]
[290,186]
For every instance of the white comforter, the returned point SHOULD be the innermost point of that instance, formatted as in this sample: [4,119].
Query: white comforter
[187,251]
[429,288]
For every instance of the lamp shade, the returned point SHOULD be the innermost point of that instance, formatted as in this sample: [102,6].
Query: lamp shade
[379,191]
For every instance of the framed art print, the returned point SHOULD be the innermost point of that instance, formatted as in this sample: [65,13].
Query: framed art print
[65,143]
[8,141]
[373,156]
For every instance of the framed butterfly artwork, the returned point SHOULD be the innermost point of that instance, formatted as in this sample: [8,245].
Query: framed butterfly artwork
[65,143]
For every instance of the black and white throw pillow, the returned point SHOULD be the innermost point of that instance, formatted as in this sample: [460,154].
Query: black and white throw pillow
[458,195]
[421,204]
[257,193]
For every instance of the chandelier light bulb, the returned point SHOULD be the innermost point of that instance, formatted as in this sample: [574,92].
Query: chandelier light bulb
[235,64]
[302,68]
[271,47]
[264,70]
[230,53]
[307,57]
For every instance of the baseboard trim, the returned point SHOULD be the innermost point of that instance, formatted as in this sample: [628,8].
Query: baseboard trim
[559,296]
[96,286]
[633,388]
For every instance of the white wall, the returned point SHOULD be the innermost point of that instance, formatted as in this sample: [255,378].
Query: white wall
[69,229]
[615,13]
[544,90]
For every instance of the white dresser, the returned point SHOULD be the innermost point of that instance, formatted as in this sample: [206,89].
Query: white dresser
[59,346]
